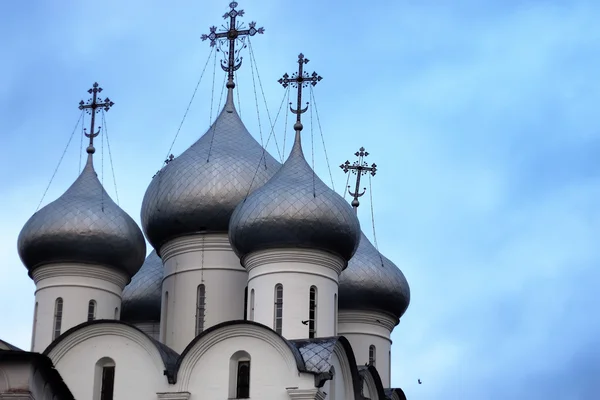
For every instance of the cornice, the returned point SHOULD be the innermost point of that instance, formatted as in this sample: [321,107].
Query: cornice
[305,394]
[195,243]
[80,271]
[367,317]
[174,395]
[287,256]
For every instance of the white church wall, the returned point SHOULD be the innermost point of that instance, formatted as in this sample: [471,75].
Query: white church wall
[138,364]
[76,285]
[190,261]
[206,370]
[364,329]
[296,270]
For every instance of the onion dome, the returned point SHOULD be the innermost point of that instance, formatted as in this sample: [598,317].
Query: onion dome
[198,191]
[83,225]
[295,209]
[371,282]
[142,297]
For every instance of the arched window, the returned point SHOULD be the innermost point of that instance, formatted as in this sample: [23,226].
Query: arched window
[35,312]
[58,311]
[278,320]
[91,310]
[239,375]
[252,305]
[335,314]
[104,379]
[312,312]
[372,355]
[246,303]
[116,312]
[200,308]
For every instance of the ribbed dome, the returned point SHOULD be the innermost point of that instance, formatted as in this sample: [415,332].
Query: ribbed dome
[373,283]
[142,297]
[295,209]
[199,190]
[83,225]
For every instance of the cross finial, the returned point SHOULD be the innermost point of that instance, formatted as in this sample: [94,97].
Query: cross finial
[93,106]
[232,32]
[300,80]
[358,168]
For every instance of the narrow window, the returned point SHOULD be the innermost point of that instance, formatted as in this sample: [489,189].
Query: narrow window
[164,318]
[312,312]
[91,310]
[372,355]
[116,312]
[243,380]
[335,314]
[58,310]
[246,303]
[108,383]
[200,308]
[278,323]
[252,305]
[35,312]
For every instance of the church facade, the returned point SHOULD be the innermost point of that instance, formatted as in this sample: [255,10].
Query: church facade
[260,284]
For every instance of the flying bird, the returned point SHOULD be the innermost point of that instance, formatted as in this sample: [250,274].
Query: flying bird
[305,322]
[419,381]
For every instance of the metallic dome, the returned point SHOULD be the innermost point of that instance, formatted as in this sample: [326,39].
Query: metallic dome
[373,282]
[199,190]
[295,209]
[83,225]
[142,297]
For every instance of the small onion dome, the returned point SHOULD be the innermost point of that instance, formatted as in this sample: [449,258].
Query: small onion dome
[373,283]
[295,209]
[142,297]
[198,191]
[83,225]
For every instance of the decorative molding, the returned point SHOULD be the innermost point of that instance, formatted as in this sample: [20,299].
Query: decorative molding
[305,394]
[195,243]
[81,271]
[81,335]
[194,355]
[26,395]
[346,372]
[367,317]
[174,395]
[285,256]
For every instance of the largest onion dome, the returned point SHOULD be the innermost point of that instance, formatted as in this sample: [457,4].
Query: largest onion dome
[295,209]
[198,191]
[373,283]
[83,225]
[142,297]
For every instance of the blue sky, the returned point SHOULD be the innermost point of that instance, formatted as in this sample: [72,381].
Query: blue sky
[482,117]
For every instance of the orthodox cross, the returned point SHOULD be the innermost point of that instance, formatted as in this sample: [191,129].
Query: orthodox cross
[232,32]
[93,106]
[299,80]
[358,168]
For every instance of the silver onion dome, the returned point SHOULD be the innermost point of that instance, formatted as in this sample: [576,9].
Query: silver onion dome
[295,209]
[142,297]
[373,282]
[83,225]
[198,191]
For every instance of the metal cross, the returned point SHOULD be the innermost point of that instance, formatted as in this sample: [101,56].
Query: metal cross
[92,107]
[232,32]
[359,168]
[300,80]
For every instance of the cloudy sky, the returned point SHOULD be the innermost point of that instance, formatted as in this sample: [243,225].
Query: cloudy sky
[483,117]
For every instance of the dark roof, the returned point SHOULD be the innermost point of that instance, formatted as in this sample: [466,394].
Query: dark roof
[44,365]
[389,392]
[168,355]
[9,346]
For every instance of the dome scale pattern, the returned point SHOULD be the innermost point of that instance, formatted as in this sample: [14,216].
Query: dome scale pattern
[83,225]
[143,296]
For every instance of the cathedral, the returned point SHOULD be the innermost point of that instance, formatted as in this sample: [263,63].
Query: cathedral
[260,283]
